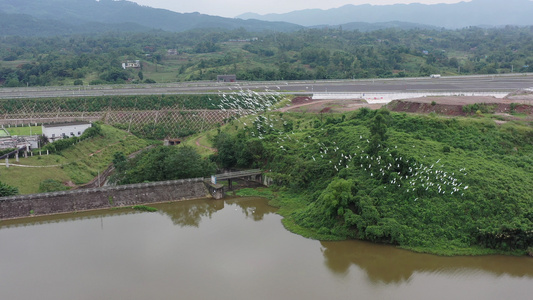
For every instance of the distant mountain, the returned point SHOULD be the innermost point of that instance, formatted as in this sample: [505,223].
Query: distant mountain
[26,25]
[458,15]
[77,14]
[365,27]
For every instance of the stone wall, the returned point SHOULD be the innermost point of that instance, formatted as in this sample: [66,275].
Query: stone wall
[99,198]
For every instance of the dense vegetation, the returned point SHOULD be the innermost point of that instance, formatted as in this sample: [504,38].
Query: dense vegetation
[442,185]
[306,54]
[105,103]
[160,164]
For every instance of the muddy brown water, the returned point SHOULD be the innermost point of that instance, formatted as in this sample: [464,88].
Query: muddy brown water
[232,249]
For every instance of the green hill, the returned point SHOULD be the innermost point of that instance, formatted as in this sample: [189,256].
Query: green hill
[81,13]
[427,183]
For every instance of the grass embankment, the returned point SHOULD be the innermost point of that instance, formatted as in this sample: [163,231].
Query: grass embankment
[203,142]
[78,164]
[450,186]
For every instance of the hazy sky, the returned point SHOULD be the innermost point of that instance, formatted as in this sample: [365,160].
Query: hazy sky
[232,8]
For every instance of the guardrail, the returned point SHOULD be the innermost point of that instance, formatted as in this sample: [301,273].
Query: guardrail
[237,174]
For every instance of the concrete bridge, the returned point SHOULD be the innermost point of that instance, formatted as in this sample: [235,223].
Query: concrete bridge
[253,175]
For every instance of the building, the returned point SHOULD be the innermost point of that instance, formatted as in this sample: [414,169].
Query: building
[54,132]
[171,142]
[172,52]
[131,64]
[226,78]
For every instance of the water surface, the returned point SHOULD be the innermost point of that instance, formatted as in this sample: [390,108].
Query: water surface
[233,249]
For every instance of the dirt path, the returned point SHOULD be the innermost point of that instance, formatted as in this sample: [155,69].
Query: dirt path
[334,105]
[197,142]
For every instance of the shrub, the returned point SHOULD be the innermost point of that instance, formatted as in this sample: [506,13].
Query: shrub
[7,190]
[145,208]
[52,185]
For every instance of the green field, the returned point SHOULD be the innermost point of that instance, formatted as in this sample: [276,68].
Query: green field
[24,131]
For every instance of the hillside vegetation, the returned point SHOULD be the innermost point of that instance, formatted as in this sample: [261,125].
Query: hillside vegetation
[306,54]
[427,183]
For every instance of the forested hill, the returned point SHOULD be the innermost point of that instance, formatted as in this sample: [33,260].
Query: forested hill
[303,55]
[426,183]
[456,15]
[83,12]
[26,25]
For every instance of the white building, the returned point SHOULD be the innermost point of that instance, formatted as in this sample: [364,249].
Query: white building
[58,131]
[131,64]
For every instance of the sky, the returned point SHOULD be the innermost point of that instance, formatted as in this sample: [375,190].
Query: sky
[233,8]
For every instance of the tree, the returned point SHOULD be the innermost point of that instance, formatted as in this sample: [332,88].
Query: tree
[226,155]
[378,130]
[114,75]
[160,164]
[13,82]
[52,185]
[7,190]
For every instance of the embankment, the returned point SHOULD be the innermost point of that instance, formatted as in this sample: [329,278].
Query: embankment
[461,106]
[104,197]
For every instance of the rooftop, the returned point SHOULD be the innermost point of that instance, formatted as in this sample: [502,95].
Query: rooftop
[66,124]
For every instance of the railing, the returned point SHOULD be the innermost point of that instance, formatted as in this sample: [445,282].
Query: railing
[238,174]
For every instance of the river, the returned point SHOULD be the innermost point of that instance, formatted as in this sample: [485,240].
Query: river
[232,249]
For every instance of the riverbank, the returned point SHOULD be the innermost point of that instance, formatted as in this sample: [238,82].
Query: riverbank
[289,203]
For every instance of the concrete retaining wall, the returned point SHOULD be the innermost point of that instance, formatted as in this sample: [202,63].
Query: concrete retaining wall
[104,197]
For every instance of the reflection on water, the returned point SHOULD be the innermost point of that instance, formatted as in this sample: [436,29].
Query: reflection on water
[69,217]
[190,213]
[185,213]
[251,209]
[386,264]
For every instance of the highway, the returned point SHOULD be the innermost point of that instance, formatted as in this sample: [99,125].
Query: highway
[485,83]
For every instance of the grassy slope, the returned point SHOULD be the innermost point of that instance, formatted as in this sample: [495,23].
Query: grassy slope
[79,164]
[498,162]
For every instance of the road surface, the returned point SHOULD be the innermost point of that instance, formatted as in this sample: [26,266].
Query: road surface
[486,83]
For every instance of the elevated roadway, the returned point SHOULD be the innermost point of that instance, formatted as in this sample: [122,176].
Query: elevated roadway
[485,83]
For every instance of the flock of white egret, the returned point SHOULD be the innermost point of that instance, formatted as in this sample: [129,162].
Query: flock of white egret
[413,177]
